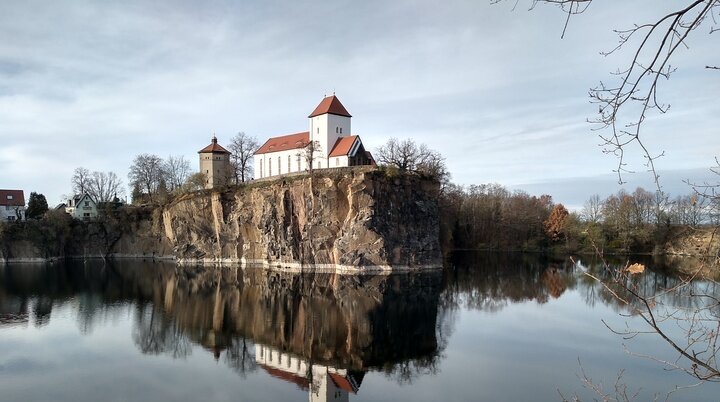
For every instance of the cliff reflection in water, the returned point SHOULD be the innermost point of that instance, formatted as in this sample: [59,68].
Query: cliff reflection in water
[339,325]
[322,332]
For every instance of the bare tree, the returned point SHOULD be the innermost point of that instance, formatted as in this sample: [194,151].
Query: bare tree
[80,180]
[710,193]
[403,155]
[243,148]
[146,173]
[626,102]
[177,170]
[100,186]
[698,342]
[407,156]
[311,152]
[592,210]
[105,186]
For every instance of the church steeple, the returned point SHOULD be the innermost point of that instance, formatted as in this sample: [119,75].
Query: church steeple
[332,105]
[329,122]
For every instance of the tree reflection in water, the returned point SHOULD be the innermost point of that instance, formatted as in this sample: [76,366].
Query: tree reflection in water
[335,327]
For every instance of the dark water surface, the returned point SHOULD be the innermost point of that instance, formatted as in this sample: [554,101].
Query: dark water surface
[489,327]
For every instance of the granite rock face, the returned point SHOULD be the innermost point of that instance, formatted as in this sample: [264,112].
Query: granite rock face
[351,218]
[347,219]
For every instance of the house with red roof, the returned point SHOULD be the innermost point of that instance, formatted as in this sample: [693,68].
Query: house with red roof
[328,143]
[12,205]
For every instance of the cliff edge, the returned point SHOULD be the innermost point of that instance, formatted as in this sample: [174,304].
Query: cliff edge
[346,219]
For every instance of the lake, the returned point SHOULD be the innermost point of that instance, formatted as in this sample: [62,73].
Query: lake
[495,327]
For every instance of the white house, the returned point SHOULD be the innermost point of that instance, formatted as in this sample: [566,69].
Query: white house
[82,206]
[12,205]
[334,145]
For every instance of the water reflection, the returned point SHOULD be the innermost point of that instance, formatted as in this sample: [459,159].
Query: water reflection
[320,332]
[339,325]
[492,281]
[323,383]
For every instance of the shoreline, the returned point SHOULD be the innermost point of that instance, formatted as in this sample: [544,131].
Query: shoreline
[290,267]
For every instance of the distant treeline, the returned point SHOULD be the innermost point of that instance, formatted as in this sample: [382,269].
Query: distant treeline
[489,216]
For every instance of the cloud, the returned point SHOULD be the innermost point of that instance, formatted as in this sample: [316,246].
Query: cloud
[496,91]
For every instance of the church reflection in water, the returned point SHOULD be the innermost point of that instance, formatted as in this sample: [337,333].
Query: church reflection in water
[322,332]
[324,383]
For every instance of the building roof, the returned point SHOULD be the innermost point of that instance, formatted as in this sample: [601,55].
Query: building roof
[343,145]
[332,105]
[301,382]
[214,147]
[342,383]
[14,198]
[284,143]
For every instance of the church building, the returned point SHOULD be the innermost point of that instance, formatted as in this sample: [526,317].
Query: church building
[327,144]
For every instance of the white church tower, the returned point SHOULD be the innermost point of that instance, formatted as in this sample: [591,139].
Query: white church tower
[328,122]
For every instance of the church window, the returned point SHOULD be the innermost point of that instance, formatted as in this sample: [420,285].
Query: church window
[289,158]
[340,130]
[337,130]
[269,167]
[298,158]
[279,166]
[261,169]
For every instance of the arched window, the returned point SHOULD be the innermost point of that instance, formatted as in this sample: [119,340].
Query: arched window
[279,166]
[269,167]
[289,158]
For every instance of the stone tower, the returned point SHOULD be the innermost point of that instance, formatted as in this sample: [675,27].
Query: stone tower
[215,164]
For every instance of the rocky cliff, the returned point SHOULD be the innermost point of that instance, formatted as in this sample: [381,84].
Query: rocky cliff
[347,219]
[344,219]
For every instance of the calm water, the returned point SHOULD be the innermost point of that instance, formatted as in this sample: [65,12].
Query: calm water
[490,327]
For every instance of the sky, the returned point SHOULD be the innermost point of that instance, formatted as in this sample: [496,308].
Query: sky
[493,88]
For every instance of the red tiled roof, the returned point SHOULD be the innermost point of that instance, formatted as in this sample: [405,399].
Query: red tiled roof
[342,383]
[284,143]
[301,382]
[343,145]
[13,198]
[332,105]
[214,147]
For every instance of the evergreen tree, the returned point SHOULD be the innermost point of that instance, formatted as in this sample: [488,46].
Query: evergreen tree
[37,206]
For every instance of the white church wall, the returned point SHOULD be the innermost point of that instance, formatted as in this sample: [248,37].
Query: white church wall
[266,165]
